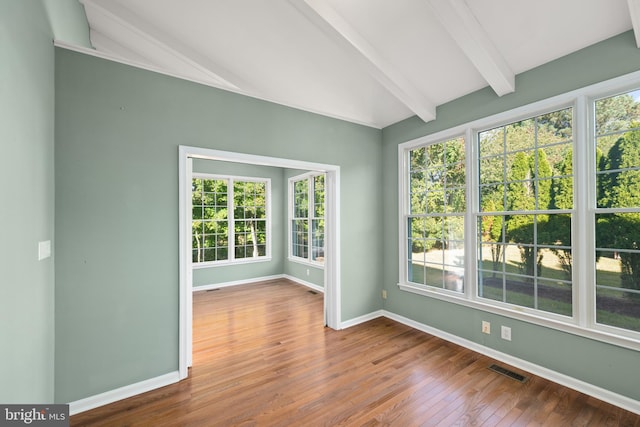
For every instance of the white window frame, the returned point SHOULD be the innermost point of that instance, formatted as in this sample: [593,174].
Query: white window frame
[407,213]
[232,260]
[583,321]
[309,176]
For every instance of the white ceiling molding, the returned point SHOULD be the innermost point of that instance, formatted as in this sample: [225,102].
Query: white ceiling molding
[107,45]
[147,42]
[634,11]
[326,18]
[464,28]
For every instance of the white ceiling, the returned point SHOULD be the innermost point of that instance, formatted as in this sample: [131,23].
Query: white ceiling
[373,62]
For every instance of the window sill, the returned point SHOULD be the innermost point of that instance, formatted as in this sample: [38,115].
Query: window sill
[523,315]
[198,266]
[318,265]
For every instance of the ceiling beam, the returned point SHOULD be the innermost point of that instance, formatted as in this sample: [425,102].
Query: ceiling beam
[462,25]
[167,50]
[634,12]
[325,17]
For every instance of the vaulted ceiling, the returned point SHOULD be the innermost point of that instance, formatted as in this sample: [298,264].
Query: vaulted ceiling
[373,62]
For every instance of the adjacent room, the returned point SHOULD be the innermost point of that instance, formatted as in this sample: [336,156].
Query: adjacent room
[382,195]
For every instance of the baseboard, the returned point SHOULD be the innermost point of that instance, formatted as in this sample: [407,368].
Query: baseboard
[123,393]
[305,283]
[237,282]
[562,379]
[362,319]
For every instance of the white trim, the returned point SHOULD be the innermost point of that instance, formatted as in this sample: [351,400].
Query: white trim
[237,282]
[226,263]
[551,375]
[185,322]
[123,392]
[306,262]
[332,280]
[299,281]
[361,319]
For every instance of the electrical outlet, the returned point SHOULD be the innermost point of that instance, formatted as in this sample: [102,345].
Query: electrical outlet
[384,294]
[486,327]
[44,250]
[505,333]
[307,271]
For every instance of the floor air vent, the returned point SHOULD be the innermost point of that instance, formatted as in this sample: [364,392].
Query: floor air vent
[508,373]
[312,292]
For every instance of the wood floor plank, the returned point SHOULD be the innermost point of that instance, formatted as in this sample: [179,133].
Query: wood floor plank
[262,357]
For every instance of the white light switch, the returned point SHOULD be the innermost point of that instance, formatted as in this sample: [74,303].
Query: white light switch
[44,250]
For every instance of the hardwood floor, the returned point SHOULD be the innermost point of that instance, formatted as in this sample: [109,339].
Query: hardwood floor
[263,358]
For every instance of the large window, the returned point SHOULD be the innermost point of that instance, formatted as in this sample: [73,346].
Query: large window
[525,189]
[617,213]
[306,212]
[533,214]
[436,215]
[229,219]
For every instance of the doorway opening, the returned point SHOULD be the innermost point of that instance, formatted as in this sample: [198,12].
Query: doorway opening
[332,233]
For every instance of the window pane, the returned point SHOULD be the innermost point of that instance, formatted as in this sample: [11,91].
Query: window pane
[617,301]
[555,296]
[300,237]
[455,200]
[535,174]
[453,229]
[618,308]
[492,170]
[492,198]
[617,112]
[418,193]
[318,196]
[520,135]
[491,142]
[491,285]
[416,273]
[434,274]
[437,178]
[491,257]
[618,233]
[520,291]
[301,199]
[317,244]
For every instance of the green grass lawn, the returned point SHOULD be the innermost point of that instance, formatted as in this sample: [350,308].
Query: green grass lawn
[611,278]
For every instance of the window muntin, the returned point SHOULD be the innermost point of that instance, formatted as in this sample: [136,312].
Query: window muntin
[601,306]
[229,219]
[525,189]
[435,221]
[617,213]
[250,219]
[307,221]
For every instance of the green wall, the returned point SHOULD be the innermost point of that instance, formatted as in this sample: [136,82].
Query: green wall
[68,21]
[27,203]
[117,134]
[603,365]
[232,273]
